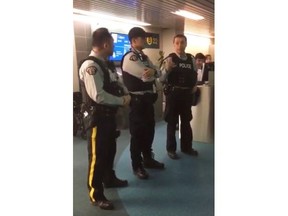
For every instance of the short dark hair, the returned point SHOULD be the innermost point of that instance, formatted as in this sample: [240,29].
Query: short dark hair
[180,36]
[199,56]
[136,32]
[208,55]
[100,36]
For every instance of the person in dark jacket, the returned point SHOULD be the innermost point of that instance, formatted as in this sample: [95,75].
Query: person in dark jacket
[179,78]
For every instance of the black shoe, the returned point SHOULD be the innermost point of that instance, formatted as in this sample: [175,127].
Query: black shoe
[141,173]
[115,182]
[191,151]
[103,204]
[152,164]
[173,155]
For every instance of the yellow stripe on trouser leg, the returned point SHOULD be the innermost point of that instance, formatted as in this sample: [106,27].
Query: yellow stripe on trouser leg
[93,161]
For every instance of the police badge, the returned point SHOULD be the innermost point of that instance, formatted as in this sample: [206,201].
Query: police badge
[133,58]
[91,70]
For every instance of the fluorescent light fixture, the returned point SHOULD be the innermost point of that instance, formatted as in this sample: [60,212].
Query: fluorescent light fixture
[198,35]
[188,15]
[109,17]
[197,42]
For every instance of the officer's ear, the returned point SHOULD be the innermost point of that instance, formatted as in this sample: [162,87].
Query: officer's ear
[133,40]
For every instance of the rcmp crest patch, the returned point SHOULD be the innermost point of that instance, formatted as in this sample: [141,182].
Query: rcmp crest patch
[133,58]
[91,70]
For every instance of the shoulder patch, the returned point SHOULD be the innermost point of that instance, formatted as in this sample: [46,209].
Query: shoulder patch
[91,70]
[133,58]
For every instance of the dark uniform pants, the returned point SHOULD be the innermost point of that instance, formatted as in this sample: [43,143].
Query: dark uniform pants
[142,128]
[178,105]
[101,154]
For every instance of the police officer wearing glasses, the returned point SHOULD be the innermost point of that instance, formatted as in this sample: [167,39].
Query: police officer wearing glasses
[104,94]
[139,77]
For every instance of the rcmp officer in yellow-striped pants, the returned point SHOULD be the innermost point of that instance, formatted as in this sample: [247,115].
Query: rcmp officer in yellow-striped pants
[105,95]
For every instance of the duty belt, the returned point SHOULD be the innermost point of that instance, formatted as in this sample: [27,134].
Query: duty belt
[173,87]
[146,97]
[176,89]
[105,110]
[142,92]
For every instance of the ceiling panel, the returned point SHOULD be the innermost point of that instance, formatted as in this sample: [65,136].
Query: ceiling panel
[157,13]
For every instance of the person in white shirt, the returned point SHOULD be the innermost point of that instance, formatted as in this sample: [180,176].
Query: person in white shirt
[200,67]
[208,58]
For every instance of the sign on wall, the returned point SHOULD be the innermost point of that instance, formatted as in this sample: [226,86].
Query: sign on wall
[152,41]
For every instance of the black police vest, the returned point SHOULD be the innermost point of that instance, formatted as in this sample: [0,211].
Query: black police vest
[183,74]
[108,86]
[133,83]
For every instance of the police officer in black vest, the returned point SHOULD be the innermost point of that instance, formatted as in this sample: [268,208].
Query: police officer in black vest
[104,94]
[139,77]
[179,77]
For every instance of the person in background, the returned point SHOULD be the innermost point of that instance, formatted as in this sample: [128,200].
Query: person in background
[208,66]
[139,77]
[179,78]
[202,75]
[104,94]
[208,58]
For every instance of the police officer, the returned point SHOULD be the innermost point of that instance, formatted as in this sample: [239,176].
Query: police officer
[139,77]
[179,77]
[105,94]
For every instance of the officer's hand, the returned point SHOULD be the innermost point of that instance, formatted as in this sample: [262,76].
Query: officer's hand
[148,73]
[126,100]
[169,64]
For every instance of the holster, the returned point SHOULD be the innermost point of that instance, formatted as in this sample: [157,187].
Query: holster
[92,113]
[167,89]
[89,116]
[195,97]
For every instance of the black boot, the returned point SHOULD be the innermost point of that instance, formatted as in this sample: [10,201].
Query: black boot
[190,151]
[103,203]
[111,181]
[141,173]
[150,162]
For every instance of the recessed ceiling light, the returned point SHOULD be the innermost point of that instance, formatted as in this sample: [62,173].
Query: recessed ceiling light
[199,35]
[188,15]
[109,17]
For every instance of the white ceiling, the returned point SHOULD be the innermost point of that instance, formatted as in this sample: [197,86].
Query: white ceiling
[155,12]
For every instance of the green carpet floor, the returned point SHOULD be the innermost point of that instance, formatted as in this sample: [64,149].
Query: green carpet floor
[184,188]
